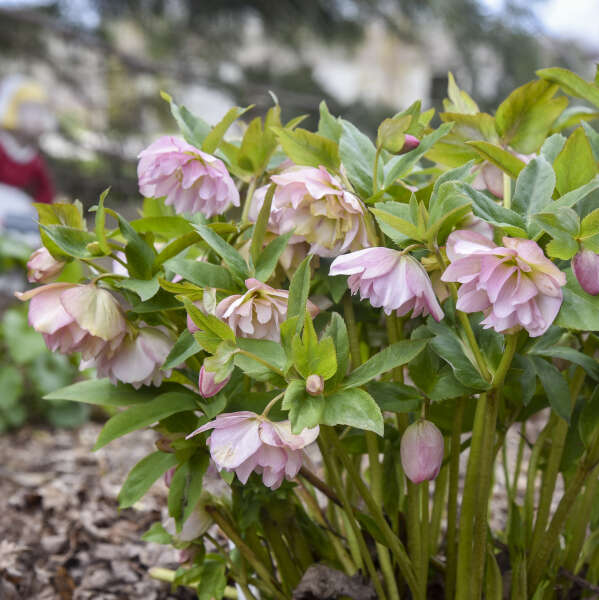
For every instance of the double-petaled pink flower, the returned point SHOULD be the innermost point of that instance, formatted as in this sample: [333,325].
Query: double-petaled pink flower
[138,360]
[245,442]
[389,279]
[259,312]
[76,318]
[421,451]
[315,205]
[42,266]
[515,285]
[585,266]
[189,179]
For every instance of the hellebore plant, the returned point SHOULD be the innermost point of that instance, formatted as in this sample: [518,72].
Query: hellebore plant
[304,429]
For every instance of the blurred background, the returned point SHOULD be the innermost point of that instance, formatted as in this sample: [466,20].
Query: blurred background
[104,63]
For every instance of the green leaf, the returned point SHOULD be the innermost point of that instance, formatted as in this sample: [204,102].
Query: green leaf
[202,274]
[103,393]
[393,356]
[299,289]
[555,385]
[395,397]
[574,115]
[391,133]
[157,534]
[589,419]
[589,364]
[400,210]
[267,261]
[534,187]
[232,258]
[501,158]
[575,165]
[214,138]
[328,125]
[193,128]
[450,349]
[213,581]
[579,310]
[267,350]
[193,474]
[353,407]
[166,226]
[185,346]
[593,138]
[306,148]
[311,356]
[305,411]
[589,231]
[100,223]
[140,255]
[571,83]
[257,147]
[144,288]
[261,224]
[403,226]
[357,155]
[70,242]
[552,146]
[459,101]
[143,415]
[526,116]
[143,475]
[401,165]
[337,330]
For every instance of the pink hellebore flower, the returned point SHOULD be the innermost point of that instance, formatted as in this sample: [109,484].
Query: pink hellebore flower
[191,180]
[244,442]
[138,359]
[515,285]
[206,384]
[312,202]
[585,266]
[421,451]
[42,266]
[76,318]
[259,312]
[389,279]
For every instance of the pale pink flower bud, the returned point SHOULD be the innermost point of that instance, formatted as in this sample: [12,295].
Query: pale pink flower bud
[410,143]
[490,177]
[259,312]
[42,266]
[585,266]
[421,451]
[138,360]
[515,285]
[245,442]
[473,223]
[76,318]
[314,204]
[206,384]
[314,385]
[189,179]
[389,279]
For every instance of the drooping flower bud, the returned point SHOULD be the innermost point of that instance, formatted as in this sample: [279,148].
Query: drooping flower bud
[42,266]
[421,451]
[410,143]
[314,385]
[191,180]
[585,266]
[206,384]
[244,442]
[389,279]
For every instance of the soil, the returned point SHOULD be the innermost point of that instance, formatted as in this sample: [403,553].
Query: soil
[61,534]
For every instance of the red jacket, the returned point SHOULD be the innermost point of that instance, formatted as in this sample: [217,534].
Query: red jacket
[31,176]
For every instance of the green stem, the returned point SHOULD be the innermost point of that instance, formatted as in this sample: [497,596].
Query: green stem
[92,264]
[531,476]
[271,404]
[248,200]
[331,467]
[507,191]
[376,482]
[452,501]
[288,570]
[464,562]
[424,538]
[375,510]
[438,504]
[484,485]
[260,569]
[352,331]
[414,532]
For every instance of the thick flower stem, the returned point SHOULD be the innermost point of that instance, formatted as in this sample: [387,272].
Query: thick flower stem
[507,191]
[352,331]
[375,171]
[288,570]
[329,461]
[438,505]
[452,501]
[424,537]
[394,543]
[415,541]
[248,200]
[469,497]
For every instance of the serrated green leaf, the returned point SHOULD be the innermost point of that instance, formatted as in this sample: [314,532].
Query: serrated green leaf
[306,148]
[213,139]
[571,83]
[202,274]
[299,289]
[232,258]
[144,288]
[103,393]
[357,155]
[534,187]
[185,347]
[575,165]
[354,407]
[501,158]
[193,128]
[328,125]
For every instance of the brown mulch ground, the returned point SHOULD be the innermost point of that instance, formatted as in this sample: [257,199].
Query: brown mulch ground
[61,534]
